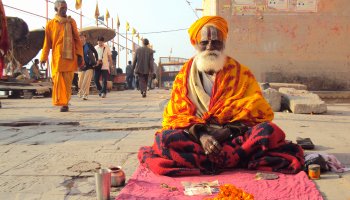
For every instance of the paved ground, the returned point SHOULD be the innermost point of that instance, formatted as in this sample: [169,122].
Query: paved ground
[45,154]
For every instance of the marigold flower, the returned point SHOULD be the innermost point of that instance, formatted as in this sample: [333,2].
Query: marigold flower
[230,192]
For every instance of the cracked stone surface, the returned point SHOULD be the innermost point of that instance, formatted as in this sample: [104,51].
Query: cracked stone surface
[46,154]
[85,166]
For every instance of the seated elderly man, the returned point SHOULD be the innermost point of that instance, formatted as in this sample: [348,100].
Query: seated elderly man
[217,118]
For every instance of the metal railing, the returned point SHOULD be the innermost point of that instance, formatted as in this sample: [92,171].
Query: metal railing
[168,68]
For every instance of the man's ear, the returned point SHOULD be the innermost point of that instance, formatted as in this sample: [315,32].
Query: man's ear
[56,9]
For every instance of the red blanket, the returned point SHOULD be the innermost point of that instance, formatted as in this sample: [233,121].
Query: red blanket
[263,147]
[145,185]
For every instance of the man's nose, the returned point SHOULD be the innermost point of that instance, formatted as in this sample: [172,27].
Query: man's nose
[209,45]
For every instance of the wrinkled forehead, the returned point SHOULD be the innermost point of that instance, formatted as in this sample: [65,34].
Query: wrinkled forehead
[210,32]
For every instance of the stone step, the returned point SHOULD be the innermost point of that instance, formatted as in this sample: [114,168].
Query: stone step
[333,94]
[302,101]
[273,97]
[296,86]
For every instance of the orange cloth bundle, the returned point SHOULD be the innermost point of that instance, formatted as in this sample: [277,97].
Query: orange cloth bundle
[236,96]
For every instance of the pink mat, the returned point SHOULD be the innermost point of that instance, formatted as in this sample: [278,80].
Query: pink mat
[146,185]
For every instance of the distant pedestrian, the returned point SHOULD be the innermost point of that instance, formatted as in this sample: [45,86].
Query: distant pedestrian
[86,73]
[34,71]
[75,81]
[61,35]
[143,65]
[114,57]
[129,75]
[105,61]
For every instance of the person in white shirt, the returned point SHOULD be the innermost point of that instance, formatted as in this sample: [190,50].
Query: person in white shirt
[104,62]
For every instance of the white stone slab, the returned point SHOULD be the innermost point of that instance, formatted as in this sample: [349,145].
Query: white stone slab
[302,101]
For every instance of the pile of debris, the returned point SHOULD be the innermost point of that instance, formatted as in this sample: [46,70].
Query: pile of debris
[292,98]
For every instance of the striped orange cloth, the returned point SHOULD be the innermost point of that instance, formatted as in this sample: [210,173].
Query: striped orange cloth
[236,97]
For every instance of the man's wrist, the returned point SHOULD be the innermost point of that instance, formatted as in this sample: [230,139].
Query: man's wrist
[197,130]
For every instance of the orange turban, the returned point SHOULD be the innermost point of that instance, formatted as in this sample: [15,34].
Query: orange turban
[219,22]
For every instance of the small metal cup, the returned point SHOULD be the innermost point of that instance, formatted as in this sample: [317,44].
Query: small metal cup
[117,176]
[314,171]
[103,184]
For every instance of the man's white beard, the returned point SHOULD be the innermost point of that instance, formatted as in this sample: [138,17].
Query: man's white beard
[210,61]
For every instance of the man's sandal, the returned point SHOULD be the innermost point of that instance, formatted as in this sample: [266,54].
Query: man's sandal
[64,109]
[305,143]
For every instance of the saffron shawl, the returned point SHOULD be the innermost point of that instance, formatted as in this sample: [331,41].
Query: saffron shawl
[236,96]
[54,39]
[67,50]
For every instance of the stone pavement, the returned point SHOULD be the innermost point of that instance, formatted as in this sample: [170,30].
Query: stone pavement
[46,154]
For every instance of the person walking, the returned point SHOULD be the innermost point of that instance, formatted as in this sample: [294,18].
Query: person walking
[61,35]
[104,61]
[143,65]
[129,75]
[75,82]
[114,58]
[85,74]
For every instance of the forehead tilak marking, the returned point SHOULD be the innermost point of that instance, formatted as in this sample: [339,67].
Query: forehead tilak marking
[204,34]
[209,31]
[214,33]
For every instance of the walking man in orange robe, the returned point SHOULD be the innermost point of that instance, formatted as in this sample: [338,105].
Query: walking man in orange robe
[61,35]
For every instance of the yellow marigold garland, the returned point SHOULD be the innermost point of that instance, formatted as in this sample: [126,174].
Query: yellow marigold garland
[230,192]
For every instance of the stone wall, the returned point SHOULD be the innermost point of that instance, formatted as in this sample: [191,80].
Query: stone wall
[291,43]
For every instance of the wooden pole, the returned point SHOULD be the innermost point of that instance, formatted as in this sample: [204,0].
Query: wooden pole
[118,47]
[126,48]
[133,46]
[112,28]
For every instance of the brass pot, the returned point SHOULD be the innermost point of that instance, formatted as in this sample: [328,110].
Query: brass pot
[117,176]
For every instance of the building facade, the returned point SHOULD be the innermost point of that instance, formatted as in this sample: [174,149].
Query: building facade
[293,41]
